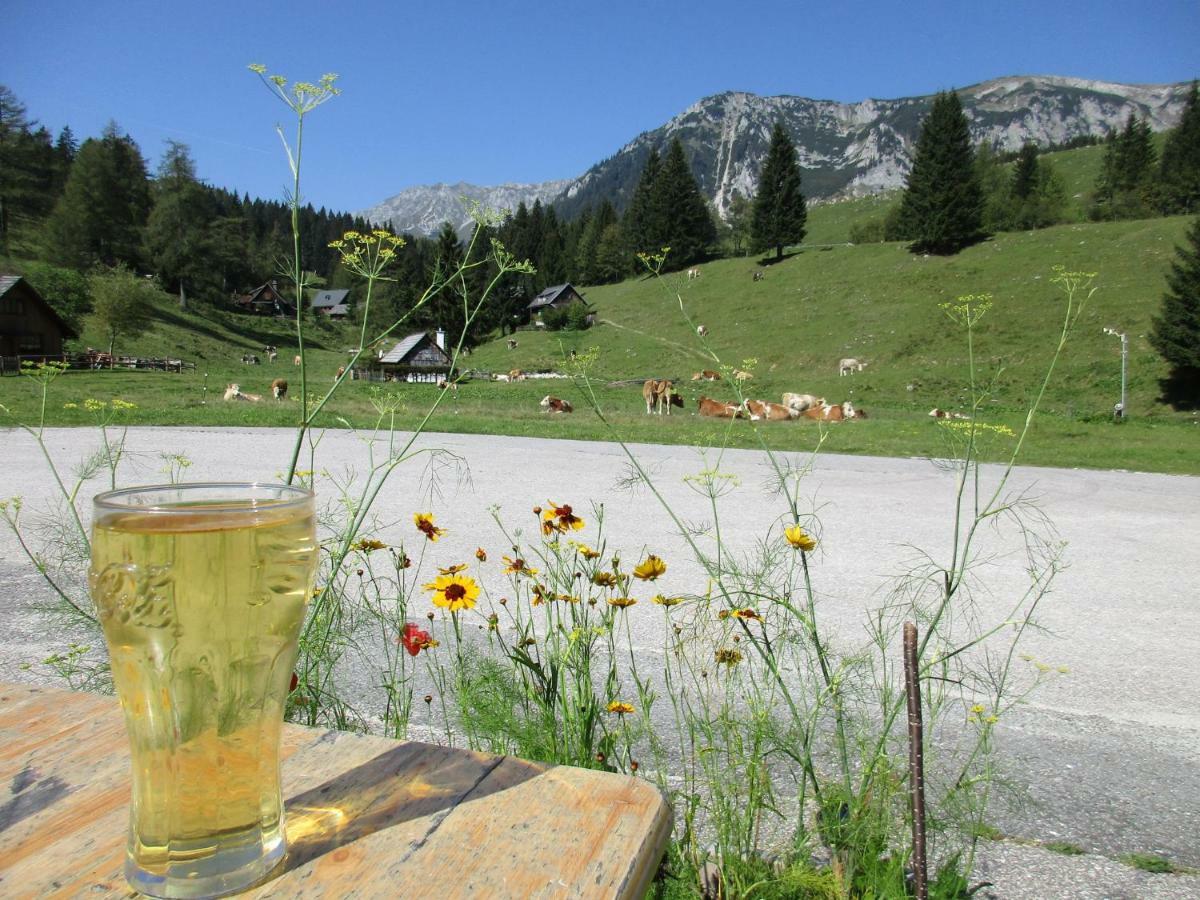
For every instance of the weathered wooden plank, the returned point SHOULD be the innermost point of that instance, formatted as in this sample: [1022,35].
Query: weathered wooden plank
[366,815]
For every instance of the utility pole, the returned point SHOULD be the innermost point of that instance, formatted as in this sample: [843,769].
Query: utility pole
[1120,409]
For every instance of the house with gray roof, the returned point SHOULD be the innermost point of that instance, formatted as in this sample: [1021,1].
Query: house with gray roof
[331,303]
[556,297]
[418,357]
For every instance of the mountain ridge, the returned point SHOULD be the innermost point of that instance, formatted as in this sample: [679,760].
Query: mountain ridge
[845,149]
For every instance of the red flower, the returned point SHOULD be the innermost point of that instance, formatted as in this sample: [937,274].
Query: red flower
[415,639]
[295,683]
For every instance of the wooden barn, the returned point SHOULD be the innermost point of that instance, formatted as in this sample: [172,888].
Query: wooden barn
[419,357]
[558,297]
[265,300]
[29,326]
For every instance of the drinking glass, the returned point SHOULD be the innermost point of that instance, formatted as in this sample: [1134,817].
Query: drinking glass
[201,590]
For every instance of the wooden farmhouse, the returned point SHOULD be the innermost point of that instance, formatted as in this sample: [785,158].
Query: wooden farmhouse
[29,326]
[265,300]
[331,303]
[558,297]
[419,357]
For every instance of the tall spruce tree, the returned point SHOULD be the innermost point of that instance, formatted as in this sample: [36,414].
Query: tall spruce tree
[1126,187]
[1176,329]
[780,212]
[644,232]
[678,203]
[1179,170]
[942,207]
[179,232]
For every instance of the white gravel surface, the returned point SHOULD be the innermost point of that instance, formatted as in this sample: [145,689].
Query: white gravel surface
[1109,755]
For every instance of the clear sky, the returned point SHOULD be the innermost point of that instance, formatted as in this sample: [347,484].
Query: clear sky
[489,92]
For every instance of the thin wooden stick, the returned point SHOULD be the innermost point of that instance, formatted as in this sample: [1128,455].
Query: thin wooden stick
[916,760]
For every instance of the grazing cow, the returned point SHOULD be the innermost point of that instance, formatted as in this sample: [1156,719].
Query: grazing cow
[500,378]
[556,405]
[443,385]
[341,371]
[758,276]
[512,344]
[249,359]
[719,409]
[801,402]
[772,412]
[279,389]
[693,273]
[234,392]
[516,375]
[850,366]
[707,375]
[742,375]
[270,352]
[660,396]
[296,360]
[945,414]
[701,331]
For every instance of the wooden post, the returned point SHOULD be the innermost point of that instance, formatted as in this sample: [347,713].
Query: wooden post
[916,761]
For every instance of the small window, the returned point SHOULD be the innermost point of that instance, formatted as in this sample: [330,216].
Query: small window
[30,344]
[12,306]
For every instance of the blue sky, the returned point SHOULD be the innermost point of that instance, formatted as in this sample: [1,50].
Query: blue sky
[490,92]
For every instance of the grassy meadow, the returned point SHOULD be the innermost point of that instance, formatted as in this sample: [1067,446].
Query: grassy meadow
[876,302]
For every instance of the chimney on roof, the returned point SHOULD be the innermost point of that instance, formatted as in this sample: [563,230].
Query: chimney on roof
[440,337]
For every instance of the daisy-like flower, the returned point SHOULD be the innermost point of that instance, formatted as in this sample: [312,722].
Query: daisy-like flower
[667,601]
[517,567]
[799,538]
[452,570]
[454,592]
[560,519]
[481,554]
[415,639]
[584,550]
[366,545]
[621,602]
[727,656]
[403,561]
[604,579]
[567,598]
[746,614]
[620,707]
[424,523]
[649,568]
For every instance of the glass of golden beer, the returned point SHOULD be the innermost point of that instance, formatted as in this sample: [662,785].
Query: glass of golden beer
[201,590]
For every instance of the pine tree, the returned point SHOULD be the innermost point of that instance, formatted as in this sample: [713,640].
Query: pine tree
[1025,173]
[942,207]
[27,171]
[1180,165]
[780,211]
[1175,332]
[103,209]
[1126,188]
[644,232]
[179,236]
[676,199]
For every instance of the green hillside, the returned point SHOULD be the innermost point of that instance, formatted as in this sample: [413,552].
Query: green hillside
[876,302]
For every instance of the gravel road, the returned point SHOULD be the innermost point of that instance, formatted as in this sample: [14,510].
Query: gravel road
[1108,755]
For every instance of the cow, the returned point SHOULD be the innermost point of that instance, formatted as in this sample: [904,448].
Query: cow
[443,385]
[720,409]
[801,402]
[512,344]
[249,359]
[772,412]
[556,405]
[701,331]
[693,273]
[234,392]
[742,375]
[279,389]
[758,276]
[825,413]
[341,371]
[516,375]
[707,375]
[270,352]
[660,396]
[297,360]
[850,366]
[945,414]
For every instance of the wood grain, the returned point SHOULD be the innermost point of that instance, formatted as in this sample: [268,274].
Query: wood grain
[366,816]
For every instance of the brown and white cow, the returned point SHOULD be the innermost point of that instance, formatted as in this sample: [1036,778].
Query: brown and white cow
[701,331]
[660,396]
[946,414]
[279,389]
[297,359]
[234,392]
[556,405]
[771,412]
[512,344]
[516,375]
[692,274]
[707,375]
[801,402]
[719,409]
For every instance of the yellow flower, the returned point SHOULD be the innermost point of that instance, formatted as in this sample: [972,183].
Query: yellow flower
[977,709]
[667,601]
[481,554]
[621,602]
[452,570]
[799,538]
[604,579]
[517,567]
[93,405]
[992,720]
[747,614]
[560,518]
[728,657]
[70,406]
[620,707]
[118,403]
[366,545]
[454,592]
[424,523]
[584,550]
[650,568]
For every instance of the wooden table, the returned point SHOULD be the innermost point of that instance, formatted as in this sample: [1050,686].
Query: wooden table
[366,816]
